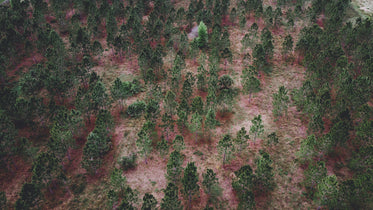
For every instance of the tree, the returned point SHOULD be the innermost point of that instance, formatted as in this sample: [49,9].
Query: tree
[257,127]
[225,147]
[45,169]
[174,168]
[3,200]
[178,143]
[308,148]
[280,102]
[211,186]
[328,192]
[144,144]
[197,105]
[167,124]
[187,89]
[241,139]
[171,201]
[149,202]
[30,196]
[202,36]
[190,179]
[136,109]
[210,120]
[225,82]
[201,78]
[287,45]
[259,56]
[163,147]
[170,103]
[97,145]
[118,180]
[195,124]
[264,173]
[250,83]
[243,185]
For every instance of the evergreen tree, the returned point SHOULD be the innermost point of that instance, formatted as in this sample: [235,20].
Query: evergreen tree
[30,196]
[174,168]
[202,35]
[171,201]
[163,147]
[241,139]
[211,186]
[189,180]
[287,45]
[178,143]
[144,144]
[197,105]
[45,169]
[225,147]
[264,173]
[195,124]
[243,185]
[257,127]
[280,102]
[170,102]
[149,202]
[210,120]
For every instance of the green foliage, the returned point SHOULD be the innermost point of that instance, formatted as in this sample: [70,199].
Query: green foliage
[225,147]
[136,109]
[163,148]
[97,145]
[202,35]
[264,181]
[241,139]
[210,121]
[30,196]
[174,168]
[178,143]
[45,169]
[225,82]
[118,180]
[149,202]
[328,192]
[243,185]
[170,103]
[195,124]
[171,201]
[307,148]
[313,175]
[272,138]
[287,45]
[211,186]
[3,200]
[257,127]
[144,143]
[280,102]
[189,180]
[128,162]
[197,105]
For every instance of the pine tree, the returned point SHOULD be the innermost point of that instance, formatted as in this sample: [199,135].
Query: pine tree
[280,102]
[243,185]
[264,173]
[144,144]
[163,148]
[178,143]
[174,168]
[241,139]
[225,147]
[210,120]
[149,202]
[195,124]
[170,103]
[202,35]
[257,127]
[171,201]
[189,180]
[211,186]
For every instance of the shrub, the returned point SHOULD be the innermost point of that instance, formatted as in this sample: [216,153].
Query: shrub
[136,109]
[128,162]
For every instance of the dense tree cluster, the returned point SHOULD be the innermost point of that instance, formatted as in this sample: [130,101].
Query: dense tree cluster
[59,110]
